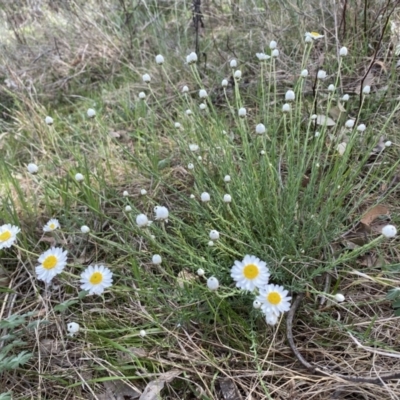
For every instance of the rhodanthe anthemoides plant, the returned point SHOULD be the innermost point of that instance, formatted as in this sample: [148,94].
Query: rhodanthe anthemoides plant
[279,186]
[254,191]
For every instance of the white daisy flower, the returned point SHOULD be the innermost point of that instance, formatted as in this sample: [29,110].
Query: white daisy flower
[250,273]
[274,300]
[91,113]
[313,35]
[200,272]
[72,328]
[214,235]
[202,106]
[156,259]
[142,95]
[262,56]
[8,235]
[96,278]
[304,73]
[242,112]
[205,197]
[275,53]
[343,52]
[52,225]
[286,107]
[367,89]
[237,74]
[273,44]
[190,166]
[290,96]
[159,59]
[203,93]
[177,125]
[256,304]
[52,262]
[389,231]
[339,297]
[125,193]
[161,213]
[143,192]
[224,83]
[191,58]
[345,97]
[128,208]
[260,129]
[79,177]
[142,221]
[227,178]
[331,88]
[321,74]
[49,120]
[85,229]
[32,168]
[194,147]
[233,64]
[271,319]
[142,333]
[211,243]
[227,198]
[146,78]
[361,128]
[212,283]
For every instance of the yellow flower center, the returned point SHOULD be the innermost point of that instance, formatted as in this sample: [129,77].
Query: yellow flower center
[251,271]
[315,34]
[5,236]
[50,262]
[96,278]
[274,298]
[52,226]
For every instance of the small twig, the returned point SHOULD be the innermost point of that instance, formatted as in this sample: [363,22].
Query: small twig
[343,21]
[197,22]
[372,350]
[325,372]
[377,47]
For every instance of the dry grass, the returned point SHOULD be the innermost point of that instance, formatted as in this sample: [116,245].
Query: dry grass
[69,55]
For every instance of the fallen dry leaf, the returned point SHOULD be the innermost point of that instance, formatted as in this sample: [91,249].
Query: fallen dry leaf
[368,260]
[119,390]
[131,354]
[324,120]
[185,276]
[374,213]
[153,389]
[229,389]
[337,111]
[341,148]
[358,235]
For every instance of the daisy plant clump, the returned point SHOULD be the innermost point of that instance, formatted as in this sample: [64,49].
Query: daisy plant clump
[274,181]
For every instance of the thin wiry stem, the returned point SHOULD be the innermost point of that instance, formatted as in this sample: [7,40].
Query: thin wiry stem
[325,372]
